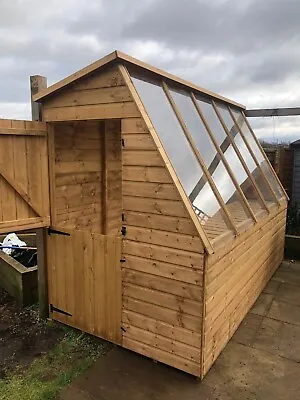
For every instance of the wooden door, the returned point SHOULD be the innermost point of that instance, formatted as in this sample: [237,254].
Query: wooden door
[84,277]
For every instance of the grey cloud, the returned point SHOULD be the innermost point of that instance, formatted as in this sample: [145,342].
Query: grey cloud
[249,51]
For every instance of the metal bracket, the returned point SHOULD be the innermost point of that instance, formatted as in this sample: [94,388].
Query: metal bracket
[123,230]
[56,232]
[52,308]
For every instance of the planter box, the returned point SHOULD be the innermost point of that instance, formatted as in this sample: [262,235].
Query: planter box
[20,282]
[292,247]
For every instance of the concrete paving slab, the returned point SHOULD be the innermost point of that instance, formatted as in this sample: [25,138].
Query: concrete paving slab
[288,273]
[262,304]
[288,293]
[247,330]
[272,287]
[254,374]
[124,375]
[284,312]
[279,338]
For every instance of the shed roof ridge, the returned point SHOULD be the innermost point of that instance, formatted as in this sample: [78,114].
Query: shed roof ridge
[118,55]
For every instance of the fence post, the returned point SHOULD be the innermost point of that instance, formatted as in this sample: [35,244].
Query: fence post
[37,83]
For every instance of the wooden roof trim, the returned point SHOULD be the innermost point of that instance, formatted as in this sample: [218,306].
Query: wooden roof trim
[74,77]
[118,55]
[176,79]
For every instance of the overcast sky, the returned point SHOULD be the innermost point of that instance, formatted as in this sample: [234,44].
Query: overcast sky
[247,50]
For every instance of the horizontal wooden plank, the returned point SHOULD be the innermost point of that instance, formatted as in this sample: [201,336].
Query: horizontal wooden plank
[146,174]
[231,288]
[138,141]
[164,357]
[77,167]
[161,328]
[164,191]
[162,343]
[73,154]
[84,189]
[23,125]
[225,248]
[22,132]
[77,179]
[142,158]
[24,224]
[155,206]
[164,222]
[216,340]
[164,314]
[133,125]
[90,96]
[165,254]
[169,239]
[162,284]
[166,270]
[108,78]
[174,302]
[99,111]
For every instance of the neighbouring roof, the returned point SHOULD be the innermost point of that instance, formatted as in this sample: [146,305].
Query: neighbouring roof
[116,56]
[296,143]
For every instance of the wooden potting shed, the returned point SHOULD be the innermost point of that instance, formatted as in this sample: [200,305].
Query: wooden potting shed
[166,219]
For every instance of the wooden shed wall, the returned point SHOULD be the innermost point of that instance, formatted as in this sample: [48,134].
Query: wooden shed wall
[99,96]
[235,276]
[163,271]
[77,196]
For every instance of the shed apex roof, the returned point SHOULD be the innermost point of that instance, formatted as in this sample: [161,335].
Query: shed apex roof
[117,55]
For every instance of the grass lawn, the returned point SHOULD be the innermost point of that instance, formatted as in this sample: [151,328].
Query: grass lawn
[37,358]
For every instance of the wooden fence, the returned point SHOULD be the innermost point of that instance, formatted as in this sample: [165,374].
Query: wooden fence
[282,160]
[24,192]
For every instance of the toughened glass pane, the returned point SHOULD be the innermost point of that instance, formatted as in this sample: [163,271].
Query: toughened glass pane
[180,153]
[230,155]
[209,154]
[173,139]
[254,170]
[258,153]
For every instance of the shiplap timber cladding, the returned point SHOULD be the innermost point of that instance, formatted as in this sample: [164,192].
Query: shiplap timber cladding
[78,170]
[97,97]
[234,278]
[177,295]
[163,271]
[24,195]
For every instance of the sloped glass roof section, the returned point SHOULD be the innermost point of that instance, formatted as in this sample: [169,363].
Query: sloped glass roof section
[221,168]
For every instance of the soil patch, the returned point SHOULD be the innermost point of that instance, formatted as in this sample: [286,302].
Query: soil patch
[22,336]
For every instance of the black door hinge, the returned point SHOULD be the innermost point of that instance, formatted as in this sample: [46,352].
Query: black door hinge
[122,260]
[123,230]
[56,232]
[58,310]
[123,217]
[123,142]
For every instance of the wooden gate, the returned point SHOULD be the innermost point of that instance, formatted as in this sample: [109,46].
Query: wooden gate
[84,278]
[24,182]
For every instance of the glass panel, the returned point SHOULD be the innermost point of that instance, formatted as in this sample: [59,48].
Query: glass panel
[210,156]
[230,155]
[254,170]
[258,153]
[179,151]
